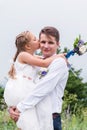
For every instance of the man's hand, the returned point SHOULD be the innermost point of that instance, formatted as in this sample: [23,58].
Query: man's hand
[63,55]
[14,113]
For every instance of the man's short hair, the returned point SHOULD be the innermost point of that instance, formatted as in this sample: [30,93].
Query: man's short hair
[50,31]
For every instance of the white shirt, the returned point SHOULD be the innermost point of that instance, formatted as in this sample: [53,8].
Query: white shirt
[52,84]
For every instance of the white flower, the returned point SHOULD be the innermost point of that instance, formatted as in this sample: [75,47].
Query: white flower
[42,72]
[83,49]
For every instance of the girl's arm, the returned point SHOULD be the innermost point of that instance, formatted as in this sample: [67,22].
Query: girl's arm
[38,56]
[27,58]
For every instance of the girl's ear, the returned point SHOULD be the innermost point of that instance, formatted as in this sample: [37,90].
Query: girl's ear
[28,46]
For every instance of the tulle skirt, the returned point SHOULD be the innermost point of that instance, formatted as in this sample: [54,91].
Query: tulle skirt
[37,118]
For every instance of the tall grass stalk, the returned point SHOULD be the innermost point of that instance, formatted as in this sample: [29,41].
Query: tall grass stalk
[74,123]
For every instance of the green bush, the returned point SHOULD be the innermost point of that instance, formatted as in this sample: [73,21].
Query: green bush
[2,102]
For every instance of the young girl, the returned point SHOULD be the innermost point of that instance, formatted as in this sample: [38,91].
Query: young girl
[22,81]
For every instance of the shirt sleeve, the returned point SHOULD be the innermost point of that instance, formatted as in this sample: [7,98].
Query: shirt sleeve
[46,85]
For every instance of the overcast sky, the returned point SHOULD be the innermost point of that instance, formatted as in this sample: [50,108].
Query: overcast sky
[68,16]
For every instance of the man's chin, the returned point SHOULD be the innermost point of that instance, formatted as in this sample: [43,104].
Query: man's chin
[47,55]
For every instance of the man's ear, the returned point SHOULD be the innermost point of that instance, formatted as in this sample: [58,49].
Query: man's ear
[58,44]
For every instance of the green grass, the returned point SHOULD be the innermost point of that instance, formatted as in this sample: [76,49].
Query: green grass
[70,123]
[75,123]
[5,122]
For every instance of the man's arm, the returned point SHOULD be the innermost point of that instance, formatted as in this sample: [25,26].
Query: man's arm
[46,85]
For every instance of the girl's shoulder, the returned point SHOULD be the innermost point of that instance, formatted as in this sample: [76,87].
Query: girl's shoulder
[23,54]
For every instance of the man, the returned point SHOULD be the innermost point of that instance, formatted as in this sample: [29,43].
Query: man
[53,84]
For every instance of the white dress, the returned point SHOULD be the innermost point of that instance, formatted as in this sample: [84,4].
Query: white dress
[17,89]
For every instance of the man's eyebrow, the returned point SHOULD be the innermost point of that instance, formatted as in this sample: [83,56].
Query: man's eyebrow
[51,42]
[42,41]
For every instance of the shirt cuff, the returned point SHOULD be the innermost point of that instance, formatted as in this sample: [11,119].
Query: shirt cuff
[20,107]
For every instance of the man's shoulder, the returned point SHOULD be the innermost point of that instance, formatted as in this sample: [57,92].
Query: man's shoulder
[59,63]
[59,60]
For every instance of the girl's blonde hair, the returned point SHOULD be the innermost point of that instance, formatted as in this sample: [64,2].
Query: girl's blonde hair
[21,40]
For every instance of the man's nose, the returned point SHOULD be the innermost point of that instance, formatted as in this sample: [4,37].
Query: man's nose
[46,45]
